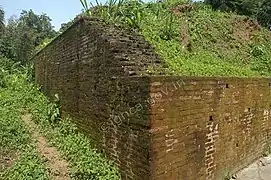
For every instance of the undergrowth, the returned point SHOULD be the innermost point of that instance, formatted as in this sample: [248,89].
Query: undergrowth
[192,38]
[16,144]
[17,94]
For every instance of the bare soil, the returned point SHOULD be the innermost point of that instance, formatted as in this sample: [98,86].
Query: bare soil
[57,166]
[7,158]
[259,170]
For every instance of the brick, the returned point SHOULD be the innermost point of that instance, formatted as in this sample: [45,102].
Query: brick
[171,127]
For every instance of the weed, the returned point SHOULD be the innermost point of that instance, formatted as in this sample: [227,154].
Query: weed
[228,176]
[267,149]
[86,7]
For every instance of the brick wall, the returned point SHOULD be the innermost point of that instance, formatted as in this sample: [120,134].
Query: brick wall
[203,128]
[152,127]
[84,66]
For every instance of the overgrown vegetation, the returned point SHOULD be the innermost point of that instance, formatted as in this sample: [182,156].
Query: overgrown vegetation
[20,36]
[17,94]
[260,9]
[19,158]
[193,38]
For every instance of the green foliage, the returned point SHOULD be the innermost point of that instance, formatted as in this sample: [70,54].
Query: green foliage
[22,35]
[15,139]
[43,44]
[2,18]
[196,40]
[244,7]
[86,7]
[261,59]
[125,12]
[20,94]
[264,14]
[29,166]
[85,162]
[260,9]
[40,25]
[65,26]
[54,111]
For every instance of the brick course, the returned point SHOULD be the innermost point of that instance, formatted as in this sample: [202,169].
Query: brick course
[153,126]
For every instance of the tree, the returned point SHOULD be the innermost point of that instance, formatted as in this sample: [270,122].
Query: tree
[260,9]
[65,26]
[7,41]
[264,14]
[224,5]
[39,25]
[2,18]
[25,33]
[243,7]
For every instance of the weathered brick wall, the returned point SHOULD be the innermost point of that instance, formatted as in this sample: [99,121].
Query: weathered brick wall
[85,66]
[153,127]
[203,128]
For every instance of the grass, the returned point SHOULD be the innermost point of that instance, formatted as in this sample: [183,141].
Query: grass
[15,139]
[17,94]
[196,40]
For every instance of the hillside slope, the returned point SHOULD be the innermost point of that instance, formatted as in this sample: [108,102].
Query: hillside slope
[195,40]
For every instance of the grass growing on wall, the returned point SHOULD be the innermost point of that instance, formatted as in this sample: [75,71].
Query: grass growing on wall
[17,94]
[195,40]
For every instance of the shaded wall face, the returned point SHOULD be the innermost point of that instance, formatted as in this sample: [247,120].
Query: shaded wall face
[89,66]
[203,128]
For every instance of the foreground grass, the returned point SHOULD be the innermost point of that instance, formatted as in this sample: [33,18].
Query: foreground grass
[17,94]
[15,141]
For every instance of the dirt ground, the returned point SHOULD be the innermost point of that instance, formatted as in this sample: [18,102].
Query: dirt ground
[6,159]
[57,166]
[259,170]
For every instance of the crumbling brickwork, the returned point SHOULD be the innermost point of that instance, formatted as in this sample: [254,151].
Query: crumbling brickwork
[153,126]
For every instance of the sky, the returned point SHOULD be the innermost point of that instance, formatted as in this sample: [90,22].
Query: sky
[60,11]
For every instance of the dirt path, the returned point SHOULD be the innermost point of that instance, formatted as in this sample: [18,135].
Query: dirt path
[259,170]
[57,166]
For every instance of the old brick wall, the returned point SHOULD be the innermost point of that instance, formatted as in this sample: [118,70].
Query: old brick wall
[87,66]
[203,128]
[153,127]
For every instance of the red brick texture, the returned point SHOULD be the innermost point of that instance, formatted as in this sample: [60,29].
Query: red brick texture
[203,128]
[153,127]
